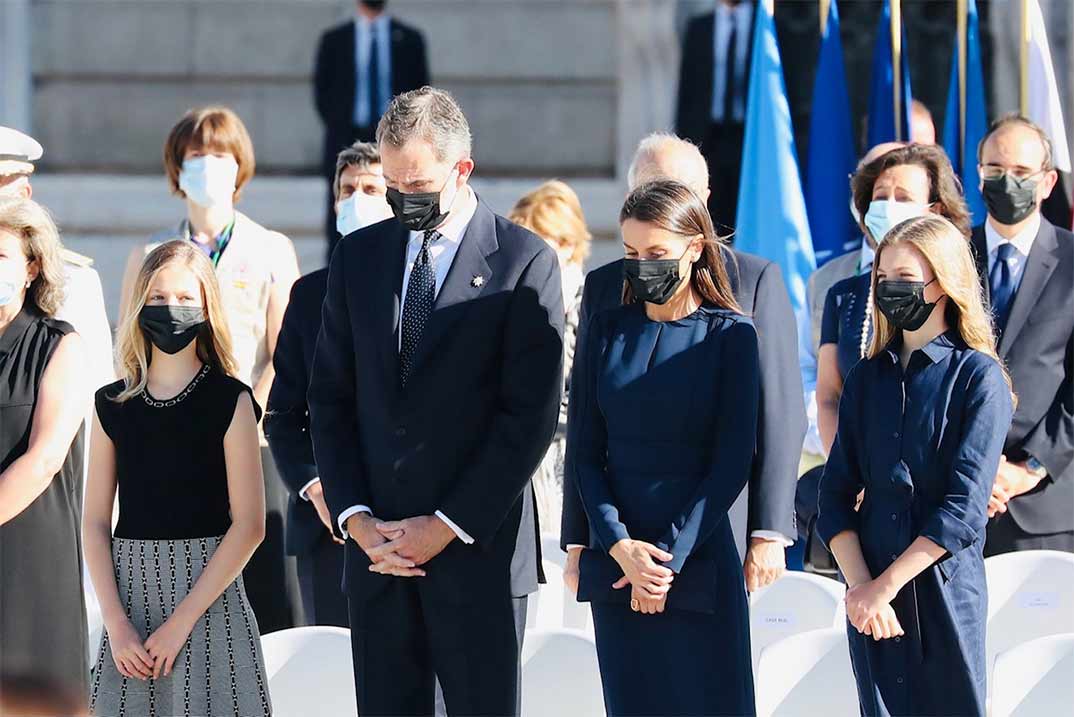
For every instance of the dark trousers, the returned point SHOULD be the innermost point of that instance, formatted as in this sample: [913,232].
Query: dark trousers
[403,640]
[723,154]
[1005,536]
[358,134]
[271,577]
[320,572]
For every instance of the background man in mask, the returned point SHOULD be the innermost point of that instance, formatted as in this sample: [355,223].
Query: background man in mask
[455,317]
[361,64]
[1026,265]
[313,539]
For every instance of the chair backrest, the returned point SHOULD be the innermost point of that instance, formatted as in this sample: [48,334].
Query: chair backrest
[554,606]
[550,550]
[807,674]
[1030,595]
[797,602]
[1035,678]
[95,626]
[309,672]
[560,675]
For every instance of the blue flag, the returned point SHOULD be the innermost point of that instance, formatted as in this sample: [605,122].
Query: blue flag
[882,91]
[771,208]
[831,158]
[963,149]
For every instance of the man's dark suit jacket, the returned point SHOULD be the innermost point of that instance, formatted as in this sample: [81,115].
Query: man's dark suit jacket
[287,419]
[693,112]
[335,80]
[478,411]
[758,286]
[1038,348]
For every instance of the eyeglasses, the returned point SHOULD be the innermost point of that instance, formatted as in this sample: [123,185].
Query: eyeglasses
[996,171]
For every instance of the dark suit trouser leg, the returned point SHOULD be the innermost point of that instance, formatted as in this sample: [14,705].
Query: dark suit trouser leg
[1006,536]
[723,154]
[320,572]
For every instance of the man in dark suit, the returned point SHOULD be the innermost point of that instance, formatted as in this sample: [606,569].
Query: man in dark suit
[758,286]
[434,395]
[361,64]
[1026,265]
[311,536]
[713,87]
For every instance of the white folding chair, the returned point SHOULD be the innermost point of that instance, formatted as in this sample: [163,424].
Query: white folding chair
[95,625]
[310,672]
[797,602]
[1030,595]
[1035,678]
[553,605]
[807,674]
[560,675]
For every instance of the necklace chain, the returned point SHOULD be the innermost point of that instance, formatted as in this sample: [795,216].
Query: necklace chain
[176,399]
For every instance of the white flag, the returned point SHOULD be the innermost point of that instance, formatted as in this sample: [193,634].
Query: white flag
[1043,94]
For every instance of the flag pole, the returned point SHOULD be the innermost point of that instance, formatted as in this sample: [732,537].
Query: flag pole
[824,6]
[963,55]
[896,65]
[1023,61]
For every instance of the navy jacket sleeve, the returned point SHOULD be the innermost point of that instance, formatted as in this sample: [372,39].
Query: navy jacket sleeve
[1052,440]
[843,479]
[333,418]
[986,419]
[322,79]
[735,440]
[829,323]
[530,384]
[287,418]
[782,420]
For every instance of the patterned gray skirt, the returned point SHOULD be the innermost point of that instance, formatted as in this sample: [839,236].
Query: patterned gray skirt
[220,671]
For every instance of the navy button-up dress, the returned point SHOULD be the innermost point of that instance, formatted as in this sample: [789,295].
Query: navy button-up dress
[925,444]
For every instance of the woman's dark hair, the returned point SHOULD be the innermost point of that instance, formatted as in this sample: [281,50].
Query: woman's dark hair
[944,186]
[673,207]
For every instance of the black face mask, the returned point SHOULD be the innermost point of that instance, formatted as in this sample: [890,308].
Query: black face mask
[903,303]
[420,211]
[1010,200]
[171,328]
[653,280]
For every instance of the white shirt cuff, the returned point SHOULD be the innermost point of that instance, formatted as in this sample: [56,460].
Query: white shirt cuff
[572,546]
[773,536]
[354,509]
[459,532]
[302,493]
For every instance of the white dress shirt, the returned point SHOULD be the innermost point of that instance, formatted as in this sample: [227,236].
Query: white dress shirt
[1022,241]
[442,254]
[742,17]
[365,115]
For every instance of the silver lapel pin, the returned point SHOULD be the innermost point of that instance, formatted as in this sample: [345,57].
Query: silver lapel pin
[477,281]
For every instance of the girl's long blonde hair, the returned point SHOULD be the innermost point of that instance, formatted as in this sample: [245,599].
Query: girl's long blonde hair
[133,348]
[948,254]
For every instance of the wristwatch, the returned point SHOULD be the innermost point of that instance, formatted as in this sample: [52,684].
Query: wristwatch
[1036,467]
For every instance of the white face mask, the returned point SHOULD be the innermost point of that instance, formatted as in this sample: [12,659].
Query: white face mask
[209,181]
[884,214]
[359,211]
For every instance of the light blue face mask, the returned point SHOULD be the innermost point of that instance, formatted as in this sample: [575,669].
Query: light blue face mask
[885,214]
[8,290]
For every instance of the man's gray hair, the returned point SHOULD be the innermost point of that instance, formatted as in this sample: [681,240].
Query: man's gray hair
[428,114]
[693,171]
[362,155]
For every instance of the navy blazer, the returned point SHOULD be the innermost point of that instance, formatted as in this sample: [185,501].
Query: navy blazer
[759,289]
[1038,348]
[477,413]
[286,421]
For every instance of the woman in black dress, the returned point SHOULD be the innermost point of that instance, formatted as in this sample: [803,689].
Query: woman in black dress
[42,403]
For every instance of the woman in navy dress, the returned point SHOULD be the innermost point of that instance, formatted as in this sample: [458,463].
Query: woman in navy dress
[921,427]
[668,391]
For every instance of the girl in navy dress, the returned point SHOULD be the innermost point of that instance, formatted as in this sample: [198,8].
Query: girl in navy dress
[668,387]
[922,423]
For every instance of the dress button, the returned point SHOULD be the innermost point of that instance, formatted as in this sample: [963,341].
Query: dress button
[899,680]
[894,556]
[400,431]
[895,434]
[898,639]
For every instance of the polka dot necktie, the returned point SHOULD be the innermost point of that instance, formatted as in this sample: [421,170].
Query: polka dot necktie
[420,294]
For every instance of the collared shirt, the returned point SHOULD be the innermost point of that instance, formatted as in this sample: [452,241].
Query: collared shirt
[1022,241]
[865,260]
[221,243]
[742,17]
[365,115]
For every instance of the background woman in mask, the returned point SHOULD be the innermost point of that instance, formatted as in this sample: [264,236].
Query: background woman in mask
[907,182]
[921,427]
[177,434]
[42,403]
[667,391]
[209,159]
[553,212]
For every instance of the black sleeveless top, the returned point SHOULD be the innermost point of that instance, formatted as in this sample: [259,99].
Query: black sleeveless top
[170,465]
